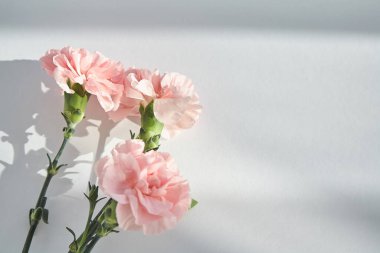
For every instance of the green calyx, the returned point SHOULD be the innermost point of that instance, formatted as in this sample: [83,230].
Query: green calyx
[107,221]
[151,127]
[74,106]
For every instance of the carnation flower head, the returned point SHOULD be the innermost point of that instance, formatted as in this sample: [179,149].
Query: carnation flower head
[151,194]
[176,104]
[98,75]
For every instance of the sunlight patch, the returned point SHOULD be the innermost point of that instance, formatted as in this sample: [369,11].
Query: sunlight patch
[44,88]
[6,152]
[35,140]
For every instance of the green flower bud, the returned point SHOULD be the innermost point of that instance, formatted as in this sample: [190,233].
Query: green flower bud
[92,195]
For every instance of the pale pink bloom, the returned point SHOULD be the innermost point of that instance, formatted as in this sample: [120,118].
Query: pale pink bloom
[151,194]
[176,104]
[99,75]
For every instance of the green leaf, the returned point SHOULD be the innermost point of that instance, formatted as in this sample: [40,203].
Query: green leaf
[67,121]
[100,199]
[193,203]
[30,215]
[50,164]
[45,216]
[141,109]
[60,166]
[72,232]
[74,245]
[132,134]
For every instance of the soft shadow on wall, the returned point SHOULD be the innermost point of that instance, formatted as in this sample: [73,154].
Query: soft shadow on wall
[299,15]
[30,106]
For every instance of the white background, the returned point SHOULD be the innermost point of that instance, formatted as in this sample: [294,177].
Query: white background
[285,157]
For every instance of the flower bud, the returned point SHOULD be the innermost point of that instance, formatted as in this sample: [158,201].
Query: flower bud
[92,193]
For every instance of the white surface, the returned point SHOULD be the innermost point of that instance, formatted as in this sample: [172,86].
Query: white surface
[285,157]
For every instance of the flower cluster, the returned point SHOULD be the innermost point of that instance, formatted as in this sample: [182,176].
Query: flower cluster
[151,194]
[121,92]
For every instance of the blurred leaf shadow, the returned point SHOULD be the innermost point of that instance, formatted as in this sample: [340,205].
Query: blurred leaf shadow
[30,99]
[25,104]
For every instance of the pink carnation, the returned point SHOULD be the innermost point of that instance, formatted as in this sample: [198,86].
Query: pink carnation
[176,104]
[151,194]
[100,76]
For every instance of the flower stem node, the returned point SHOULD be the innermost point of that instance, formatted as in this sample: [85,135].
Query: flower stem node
[151,127]
[53,168]
[35,214]
[74,107]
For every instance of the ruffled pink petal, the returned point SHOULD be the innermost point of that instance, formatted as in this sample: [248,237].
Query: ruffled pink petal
[159,226]
[100,76]
[102,94]
[176,85]
[135,147]
[145,87]
[139,212]
[177,113]
[154,205]
[47,61]
[125,217]
[61,76]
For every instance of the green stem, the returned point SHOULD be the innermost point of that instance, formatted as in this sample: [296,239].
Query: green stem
[103,208]
[41,201]
[91,227]
[93,224]
[82,242]
[29,237]
[91,245]
[64,142]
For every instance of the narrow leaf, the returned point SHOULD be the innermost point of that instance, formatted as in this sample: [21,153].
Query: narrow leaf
[132,134]
[74,245]
[79,89]
[100,199]
[45,216]
[30,215]
[72,232]
[49,159]
[193,203]
[60,166]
